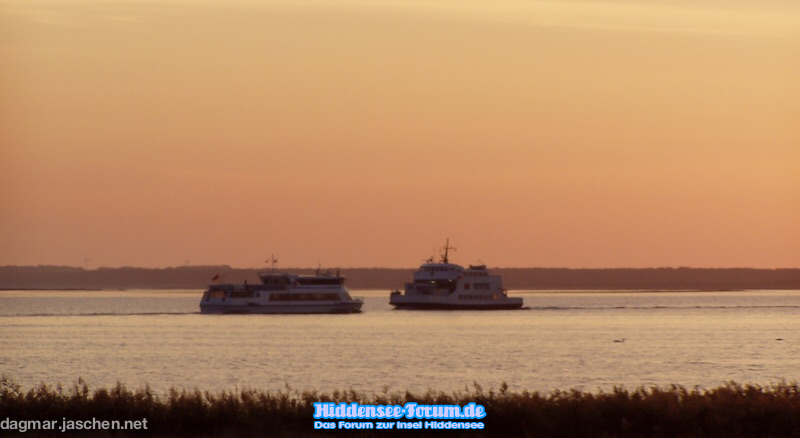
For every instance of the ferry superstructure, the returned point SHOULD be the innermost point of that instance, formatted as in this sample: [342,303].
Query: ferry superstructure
[281,292]
[448,286]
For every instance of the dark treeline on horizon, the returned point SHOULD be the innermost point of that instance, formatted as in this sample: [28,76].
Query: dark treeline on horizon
[198,277]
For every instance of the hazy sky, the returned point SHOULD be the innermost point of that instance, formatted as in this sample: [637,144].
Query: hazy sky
[363,133]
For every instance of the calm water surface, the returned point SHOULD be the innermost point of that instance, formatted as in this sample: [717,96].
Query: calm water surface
[564,340]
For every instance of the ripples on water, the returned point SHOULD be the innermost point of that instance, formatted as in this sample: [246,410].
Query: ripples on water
[564,340]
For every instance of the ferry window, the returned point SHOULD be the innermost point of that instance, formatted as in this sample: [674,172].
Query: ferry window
[466,286]
[306,297]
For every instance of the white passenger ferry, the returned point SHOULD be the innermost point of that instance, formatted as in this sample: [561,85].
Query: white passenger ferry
[282,293]
[448,286]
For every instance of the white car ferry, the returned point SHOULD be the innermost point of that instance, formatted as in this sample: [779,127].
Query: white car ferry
[282,293]
[451,287]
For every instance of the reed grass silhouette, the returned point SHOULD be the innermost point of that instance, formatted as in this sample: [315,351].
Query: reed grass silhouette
[732,409]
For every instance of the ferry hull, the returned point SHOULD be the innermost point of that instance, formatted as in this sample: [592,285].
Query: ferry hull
[452,306]
[345,307]
[443,303]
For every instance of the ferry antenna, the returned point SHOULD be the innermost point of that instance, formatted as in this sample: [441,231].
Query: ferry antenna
[446,249]
[273,262]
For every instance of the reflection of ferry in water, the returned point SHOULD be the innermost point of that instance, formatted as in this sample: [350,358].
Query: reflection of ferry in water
[448,286]
[282,293]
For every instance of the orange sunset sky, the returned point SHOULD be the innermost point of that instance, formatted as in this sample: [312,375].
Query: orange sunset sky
[351,133]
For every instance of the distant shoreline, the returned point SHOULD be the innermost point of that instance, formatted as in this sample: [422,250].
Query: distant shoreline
[616,279]
[388,290]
